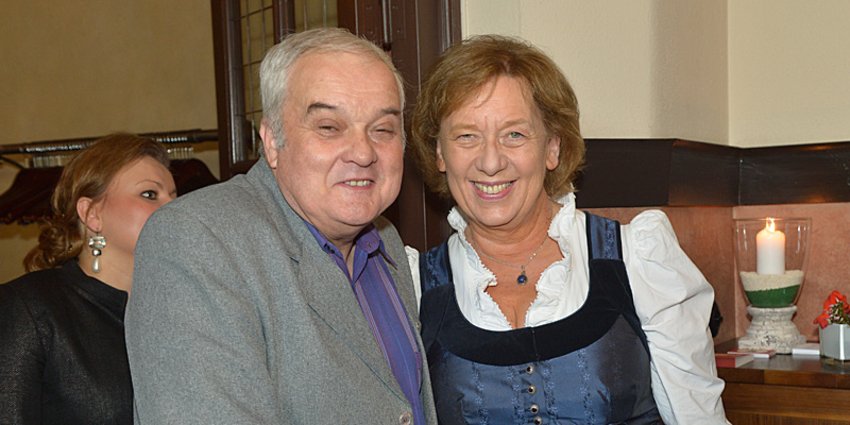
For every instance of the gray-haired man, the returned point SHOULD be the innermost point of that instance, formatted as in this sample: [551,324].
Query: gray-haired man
[280,296]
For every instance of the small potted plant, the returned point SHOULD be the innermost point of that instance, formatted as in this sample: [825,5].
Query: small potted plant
[835,327]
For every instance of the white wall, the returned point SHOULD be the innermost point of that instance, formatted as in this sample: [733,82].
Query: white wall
[744,73]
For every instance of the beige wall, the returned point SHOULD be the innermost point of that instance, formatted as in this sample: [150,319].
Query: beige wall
[89,67]
[789,69]
[743,73]
[84,68]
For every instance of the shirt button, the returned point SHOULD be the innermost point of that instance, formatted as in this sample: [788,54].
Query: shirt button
[534,409]
[529,369]
[538,420]
[532,389]
[404,419]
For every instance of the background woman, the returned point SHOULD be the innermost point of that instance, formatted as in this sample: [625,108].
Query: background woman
[62,356]
[534,312]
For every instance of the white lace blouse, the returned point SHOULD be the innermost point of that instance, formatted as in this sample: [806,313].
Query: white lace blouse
[672,299]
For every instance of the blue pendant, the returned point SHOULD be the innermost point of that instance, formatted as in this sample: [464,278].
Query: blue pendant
[522,278]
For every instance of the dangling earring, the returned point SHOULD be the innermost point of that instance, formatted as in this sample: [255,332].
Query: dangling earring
[97,243]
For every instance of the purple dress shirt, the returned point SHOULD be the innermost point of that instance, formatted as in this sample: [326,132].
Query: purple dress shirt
[375,291]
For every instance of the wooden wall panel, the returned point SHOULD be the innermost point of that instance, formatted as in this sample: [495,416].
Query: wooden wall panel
[671,172]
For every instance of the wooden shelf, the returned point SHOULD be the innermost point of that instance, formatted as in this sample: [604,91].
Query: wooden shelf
[786,390]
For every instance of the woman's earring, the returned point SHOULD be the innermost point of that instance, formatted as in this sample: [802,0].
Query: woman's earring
[97,243]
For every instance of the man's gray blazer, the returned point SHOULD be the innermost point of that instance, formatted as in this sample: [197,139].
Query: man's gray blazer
[238,317]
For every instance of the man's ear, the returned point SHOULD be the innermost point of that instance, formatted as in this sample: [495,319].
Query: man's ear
[88,212]
[269,144]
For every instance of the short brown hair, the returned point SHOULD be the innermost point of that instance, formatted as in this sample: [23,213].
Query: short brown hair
[88,174]
[469,65]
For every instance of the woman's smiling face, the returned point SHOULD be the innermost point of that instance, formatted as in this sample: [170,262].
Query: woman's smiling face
[495,151]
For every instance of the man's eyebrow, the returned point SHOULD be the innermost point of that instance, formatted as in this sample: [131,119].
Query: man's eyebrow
[319,105]
[315,106]
[391,111]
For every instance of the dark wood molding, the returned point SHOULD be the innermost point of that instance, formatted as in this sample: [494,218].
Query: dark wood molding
[421,31]
[224,26]
[623,172]
[673,172]
[805,174]
[230,93]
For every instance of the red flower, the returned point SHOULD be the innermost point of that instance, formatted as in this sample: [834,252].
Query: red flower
[836,310]
[822,320]
[834,297]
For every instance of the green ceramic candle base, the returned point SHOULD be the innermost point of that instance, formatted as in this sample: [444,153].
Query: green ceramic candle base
[772,298]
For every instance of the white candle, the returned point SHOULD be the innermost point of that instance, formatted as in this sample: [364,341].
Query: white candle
[770,250]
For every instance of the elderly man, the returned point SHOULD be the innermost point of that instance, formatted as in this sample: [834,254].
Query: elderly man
[279,296]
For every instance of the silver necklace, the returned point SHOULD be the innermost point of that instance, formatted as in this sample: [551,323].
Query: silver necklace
[522,279]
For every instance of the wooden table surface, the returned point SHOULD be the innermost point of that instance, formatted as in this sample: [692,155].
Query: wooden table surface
[787,389]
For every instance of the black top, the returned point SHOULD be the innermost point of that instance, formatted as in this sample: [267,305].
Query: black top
[62,353]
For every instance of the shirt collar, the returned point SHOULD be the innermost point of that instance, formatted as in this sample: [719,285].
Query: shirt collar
[368,240]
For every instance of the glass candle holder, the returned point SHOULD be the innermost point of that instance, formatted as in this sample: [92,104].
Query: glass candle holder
[771,256]
[771,259]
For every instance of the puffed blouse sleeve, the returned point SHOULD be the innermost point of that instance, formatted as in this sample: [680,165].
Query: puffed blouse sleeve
[673,301]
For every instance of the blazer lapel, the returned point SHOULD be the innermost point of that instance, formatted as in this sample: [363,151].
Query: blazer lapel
[326,289]
[330,295]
